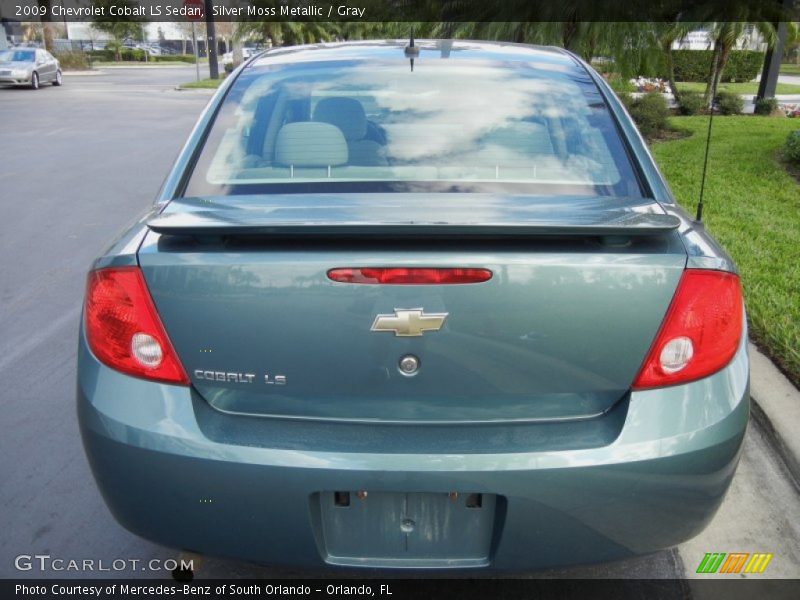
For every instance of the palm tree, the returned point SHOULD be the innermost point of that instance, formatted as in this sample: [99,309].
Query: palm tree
[47,27]
[634,47]
[372,30]
[726,35]
[289,33]
[668,34]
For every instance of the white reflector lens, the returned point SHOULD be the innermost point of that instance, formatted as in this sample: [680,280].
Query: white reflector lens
[146,349]
[676,354]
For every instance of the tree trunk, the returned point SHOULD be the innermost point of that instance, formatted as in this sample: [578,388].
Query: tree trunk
[720,60]
[724,55]
[238,55]
[48,37]
[47,28]
[569,34]
[671,72]
[183,46]
[589,47]
[712,75]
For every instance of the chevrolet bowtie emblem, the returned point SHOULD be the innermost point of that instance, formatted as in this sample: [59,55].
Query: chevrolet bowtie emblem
[409,322]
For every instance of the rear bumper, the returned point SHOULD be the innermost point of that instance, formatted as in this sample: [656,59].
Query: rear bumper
[168,477]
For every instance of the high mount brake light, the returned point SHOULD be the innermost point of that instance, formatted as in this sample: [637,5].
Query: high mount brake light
[700,333]
[123,328]
[409,275]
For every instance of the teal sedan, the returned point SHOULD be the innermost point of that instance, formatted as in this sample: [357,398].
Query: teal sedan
[421,305]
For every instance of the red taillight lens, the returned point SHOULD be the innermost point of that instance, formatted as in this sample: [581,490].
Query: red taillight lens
[409,276]
[700,333]
[123,329]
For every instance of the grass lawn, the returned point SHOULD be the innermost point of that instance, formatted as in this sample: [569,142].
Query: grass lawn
[790,69]
[210,84]
[752,207]
[750,87]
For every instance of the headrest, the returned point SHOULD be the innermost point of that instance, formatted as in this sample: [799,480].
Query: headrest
[345,113]
[309,144]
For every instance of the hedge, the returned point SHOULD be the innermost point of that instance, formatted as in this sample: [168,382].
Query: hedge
[101,55]
[187,58]
[132,54]
[73,60]
[108,55]
[136,54]
[695,65]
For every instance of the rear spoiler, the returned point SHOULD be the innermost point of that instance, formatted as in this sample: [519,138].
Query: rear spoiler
[307,222]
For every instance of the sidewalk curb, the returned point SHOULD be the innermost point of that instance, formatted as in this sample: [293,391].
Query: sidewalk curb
[201,91]
[777,408]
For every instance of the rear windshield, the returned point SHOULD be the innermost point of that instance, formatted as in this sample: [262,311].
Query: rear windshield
[467,125]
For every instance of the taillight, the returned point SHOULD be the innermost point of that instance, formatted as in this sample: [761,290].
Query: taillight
[700,333]
[123,328]
[409,275]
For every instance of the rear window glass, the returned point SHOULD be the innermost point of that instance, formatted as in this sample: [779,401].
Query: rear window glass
[468,125]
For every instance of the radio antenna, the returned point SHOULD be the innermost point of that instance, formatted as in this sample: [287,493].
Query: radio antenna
[699,216]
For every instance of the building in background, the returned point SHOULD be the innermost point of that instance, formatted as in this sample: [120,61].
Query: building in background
[701,39]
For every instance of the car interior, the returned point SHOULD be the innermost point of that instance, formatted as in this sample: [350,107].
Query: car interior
[345,134]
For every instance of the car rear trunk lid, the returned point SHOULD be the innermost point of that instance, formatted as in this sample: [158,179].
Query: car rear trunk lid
[558,332]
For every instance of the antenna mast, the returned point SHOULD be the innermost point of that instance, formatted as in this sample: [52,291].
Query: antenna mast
[699,216]
[411,50]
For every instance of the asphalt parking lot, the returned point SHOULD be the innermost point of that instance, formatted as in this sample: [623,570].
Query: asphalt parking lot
[79,163]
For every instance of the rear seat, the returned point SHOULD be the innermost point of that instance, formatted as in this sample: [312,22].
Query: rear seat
[348,115]
[317,150]
[310,150]
[314,150]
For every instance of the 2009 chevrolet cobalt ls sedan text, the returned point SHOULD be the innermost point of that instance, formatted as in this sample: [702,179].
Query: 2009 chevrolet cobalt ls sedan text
[446,315]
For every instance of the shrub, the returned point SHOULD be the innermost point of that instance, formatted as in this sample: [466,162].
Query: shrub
[133,54]
[108,54]
[765,106]
[73,60]
[619,84]
[695,65]
[105,55]
[691,103]
[649,111]
[604,66]
[792,147]
[729,103]
[228,68]
[188,58]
